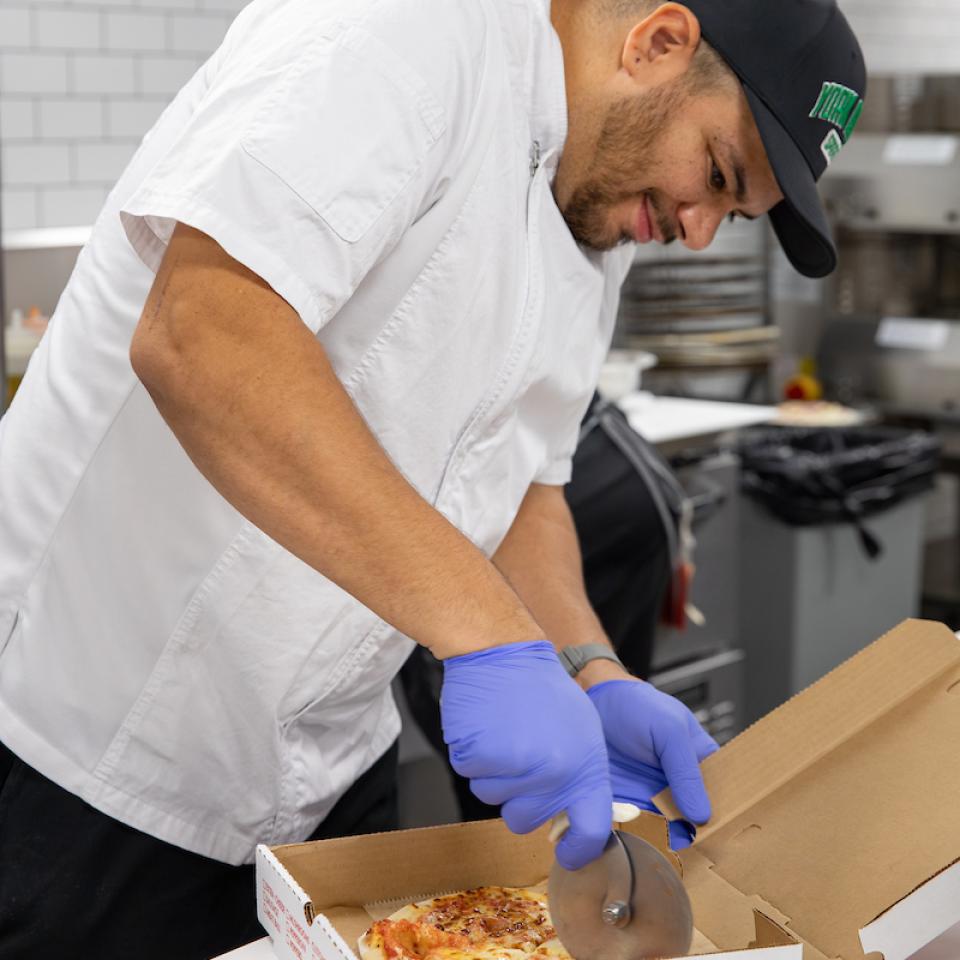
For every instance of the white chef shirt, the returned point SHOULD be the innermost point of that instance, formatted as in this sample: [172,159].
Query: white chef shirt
[376,164]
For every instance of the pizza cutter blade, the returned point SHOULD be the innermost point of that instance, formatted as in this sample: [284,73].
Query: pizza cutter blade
[630,904]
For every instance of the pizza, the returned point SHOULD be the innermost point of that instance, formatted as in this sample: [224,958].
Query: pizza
[488,923]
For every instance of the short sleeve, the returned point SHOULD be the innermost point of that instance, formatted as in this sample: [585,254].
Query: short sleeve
[558,468]
[306,166]
[557,472]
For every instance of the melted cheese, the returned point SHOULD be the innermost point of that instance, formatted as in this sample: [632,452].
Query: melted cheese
[489,923]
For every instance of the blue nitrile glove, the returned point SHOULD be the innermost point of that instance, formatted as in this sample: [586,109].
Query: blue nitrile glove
[527,737]
[654,741]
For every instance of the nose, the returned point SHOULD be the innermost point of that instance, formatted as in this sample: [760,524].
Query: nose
[699,223]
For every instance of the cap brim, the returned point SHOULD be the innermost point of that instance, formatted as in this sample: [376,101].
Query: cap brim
[799,220]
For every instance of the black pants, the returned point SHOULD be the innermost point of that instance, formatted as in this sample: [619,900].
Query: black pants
[76,884]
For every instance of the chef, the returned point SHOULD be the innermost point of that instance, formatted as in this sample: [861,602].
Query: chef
[310,397]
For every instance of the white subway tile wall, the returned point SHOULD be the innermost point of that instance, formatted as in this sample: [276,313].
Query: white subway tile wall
[20,205]
[164,75]
[81,82]
[15,27]
[36,163]
[137,31]
[104,74]
[17,121]
[199,33]
[32,74]
[73,118]
[96,162]
[70,206]
[133,117]
[58,29]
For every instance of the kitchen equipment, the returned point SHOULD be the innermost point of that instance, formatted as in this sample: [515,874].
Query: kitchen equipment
[712,689]
[896,183]
[702,666]
[711,480]
[692,292]
[705,315]
[897,366]
[34,268]
[891,336]
[622,371]
[629,904]
[905,102]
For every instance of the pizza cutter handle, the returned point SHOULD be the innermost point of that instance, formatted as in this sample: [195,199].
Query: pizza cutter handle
[622,813]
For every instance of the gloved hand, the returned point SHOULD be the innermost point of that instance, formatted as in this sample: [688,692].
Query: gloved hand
[527,737]
[654,741]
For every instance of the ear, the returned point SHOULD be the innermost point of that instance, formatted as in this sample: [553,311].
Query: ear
[661,47]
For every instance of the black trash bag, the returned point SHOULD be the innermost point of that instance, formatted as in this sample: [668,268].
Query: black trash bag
[815,476]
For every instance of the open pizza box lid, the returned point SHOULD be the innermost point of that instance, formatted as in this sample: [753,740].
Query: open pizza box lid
[835,831]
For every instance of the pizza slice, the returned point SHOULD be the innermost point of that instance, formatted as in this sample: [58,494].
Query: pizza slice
[488,923]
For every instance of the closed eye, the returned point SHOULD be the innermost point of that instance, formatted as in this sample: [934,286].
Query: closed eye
[719,183]
[717,180]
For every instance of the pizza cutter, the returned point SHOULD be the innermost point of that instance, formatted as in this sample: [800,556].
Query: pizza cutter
[630,904]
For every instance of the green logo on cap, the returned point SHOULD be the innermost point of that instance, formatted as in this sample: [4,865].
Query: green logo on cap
[831,146]
[840,106]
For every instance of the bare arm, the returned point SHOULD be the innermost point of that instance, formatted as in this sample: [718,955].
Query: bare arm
[540,556]
[256,404]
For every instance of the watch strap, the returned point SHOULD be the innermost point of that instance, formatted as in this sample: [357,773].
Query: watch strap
[574,659]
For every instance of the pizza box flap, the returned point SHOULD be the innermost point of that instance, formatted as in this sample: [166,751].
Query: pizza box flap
[838,807]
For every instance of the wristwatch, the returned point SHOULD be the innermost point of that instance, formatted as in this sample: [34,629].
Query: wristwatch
[574,659]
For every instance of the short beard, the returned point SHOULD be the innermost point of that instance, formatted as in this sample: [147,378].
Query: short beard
[625,153]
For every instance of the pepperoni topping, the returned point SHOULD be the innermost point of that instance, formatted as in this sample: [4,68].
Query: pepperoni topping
[493,913]
[470,923]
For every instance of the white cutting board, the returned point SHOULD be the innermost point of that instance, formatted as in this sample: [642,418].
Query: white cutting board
[666,419]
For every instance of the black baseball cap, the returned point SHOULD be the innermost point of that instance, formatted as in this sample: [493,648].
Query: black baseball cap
[804,76]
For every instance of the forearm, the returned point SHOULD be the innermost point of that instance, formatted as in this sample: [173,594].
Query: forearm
[256,404]
[540,556]
[652,740]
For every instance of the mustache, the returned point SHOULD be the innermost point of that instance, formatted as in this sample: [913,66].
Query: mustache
[665,224]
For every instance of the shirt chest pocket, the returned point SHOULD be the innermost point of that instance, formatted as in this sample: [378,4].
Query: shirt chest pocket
[349,130]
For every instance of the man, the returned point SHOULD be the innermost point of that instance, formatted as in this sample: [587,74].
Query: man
[313,390]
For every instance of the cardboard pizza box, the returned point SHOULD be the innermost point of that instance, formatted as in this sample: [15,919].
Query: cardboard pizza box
[836,830]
